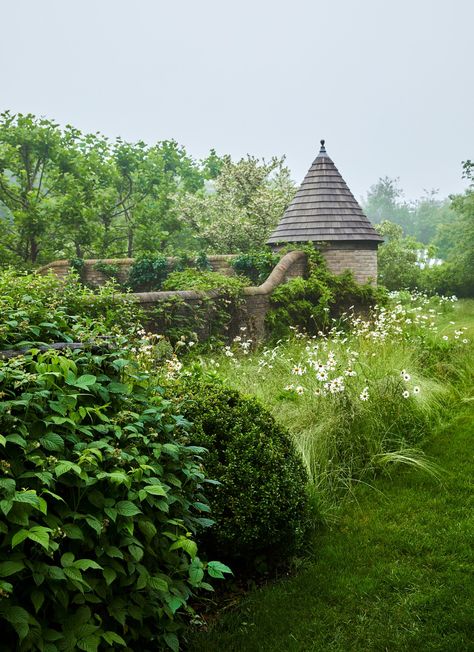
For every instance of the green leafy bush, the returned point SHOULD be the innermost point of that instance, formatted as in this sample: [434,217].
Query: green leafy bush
[100,502]
[192,279]
[208,316]
[312,302]
[256,265]
[109,270]
[148,273]
[260,507]
[37,308]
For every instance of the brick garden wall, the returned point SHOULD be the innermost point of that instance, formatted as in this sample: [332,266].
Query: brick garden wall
[256,300]
[93,276]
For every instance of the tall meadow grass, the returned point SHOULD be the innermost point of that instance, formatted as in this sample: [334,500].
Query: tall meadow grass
[362,397]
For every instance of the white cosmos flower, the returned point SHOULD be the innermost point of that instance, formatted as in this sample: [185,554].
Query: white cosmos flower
[406,394]
[416,390]
[364,395]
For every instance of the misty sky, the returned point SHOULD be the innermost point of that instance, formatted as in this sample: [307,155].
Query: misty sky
[388,84]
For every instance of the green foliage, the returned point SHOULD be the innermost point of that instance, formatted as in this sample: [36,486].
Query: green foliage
[109,270]
[77,265]
[256,265]
[100,505]
[148,273]
[208,316]
[261,507]
[397,258]
[64,193]
[311,303]
[37,308]
[202,262]
[460,252]
[191,279]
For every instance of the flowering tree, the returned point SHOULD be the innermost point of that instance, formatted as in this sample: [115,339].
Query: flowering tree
[238,211]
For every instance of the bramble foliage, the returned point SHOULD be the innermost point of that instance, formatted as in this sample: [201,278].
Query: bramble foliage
[261,507]
[256,265]
[100,503]
[311,302]
[37,308]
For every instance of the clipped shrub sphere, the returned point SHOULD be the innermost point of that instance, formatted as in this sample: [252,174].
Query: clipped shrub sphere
[260,506]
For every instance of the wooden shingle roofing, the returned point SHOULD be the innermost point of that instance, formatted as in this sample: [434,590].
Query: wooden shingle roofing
[324,209]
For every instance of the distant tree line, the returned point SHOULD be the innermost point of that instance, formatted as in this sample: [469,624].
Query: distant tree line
[443,228]
[67,194]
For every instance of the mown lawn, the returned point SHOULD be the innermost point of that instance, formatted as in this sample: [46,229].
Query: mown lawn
[395,573]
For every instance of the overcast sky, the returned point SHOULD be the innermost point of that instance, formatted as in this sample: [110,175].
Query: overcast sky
[388,84]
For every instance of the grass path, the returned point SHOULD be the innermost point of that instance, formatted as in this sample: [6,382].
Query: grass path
[395,574]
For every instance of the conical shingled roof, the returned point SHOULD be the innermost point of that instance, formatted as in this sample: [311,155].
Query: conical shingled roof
[324,209]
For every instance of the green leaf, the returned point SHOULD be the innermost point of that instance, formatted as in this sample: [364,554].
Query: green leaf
[157,583]
[37,598]
[16,439]
[89,644]
[127,508]
[117,388]
[202,507]
[196,572]
[174,603]
[85,564]
[73,532]
[19,619]
[171,641]
[147,528]
[18,537]
[8,568]
[40,535]
[136,552]
[29,497]
[109,575]
[83,382]
[188,545]
[67,559]
[112,637]
[155,490]
[113,551]
[5,506]
[73,574]
[217,569]
[64,466]
[94,524]
[52,442]
[8,484]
